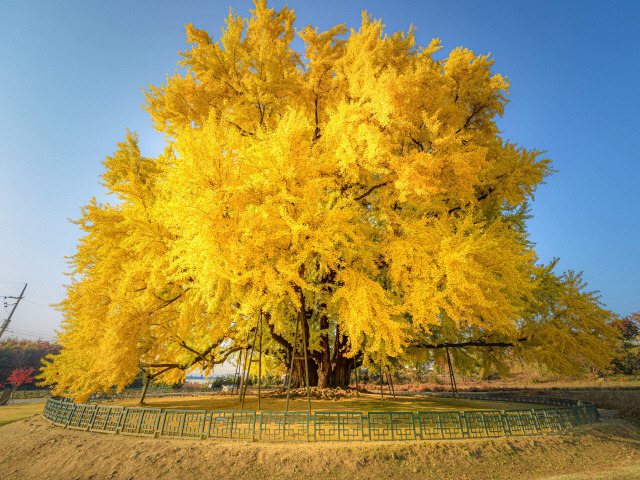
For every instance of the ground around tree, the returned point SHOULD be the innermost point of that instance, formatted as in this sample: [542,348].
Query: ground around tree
[33,448]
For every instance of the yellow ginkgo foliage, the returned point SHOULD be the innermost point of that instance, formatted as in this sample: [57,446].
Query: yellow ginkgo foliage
[360,187]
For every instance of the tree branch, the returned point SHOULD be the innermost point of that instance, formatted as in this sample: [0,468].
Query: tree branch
[278,338]
[365,194]
[316,133]
[243,132]
[167,302]
[475,111]
[418,144]
[202,356]
[158,365]
[489,191]
[471,343]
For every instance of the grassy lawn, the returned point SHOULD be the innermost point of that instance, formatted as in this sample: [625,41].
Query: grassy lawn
[364,403]
[18,411]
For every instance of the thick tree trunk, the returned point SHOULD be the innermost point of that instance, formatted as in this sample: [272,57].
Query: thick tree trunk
[335,374]
[297,375]
[324,374]
[325,370]
[323,358]
[327,375]
[342,372]
[333,371]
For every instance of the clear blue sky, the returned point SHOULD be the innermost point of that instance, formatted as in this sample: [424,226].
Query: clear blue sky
[73,72]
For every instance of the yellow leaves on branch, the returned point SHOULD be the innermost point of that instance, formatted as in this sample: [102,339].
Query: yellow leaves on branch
[344,164]
[468,273]
[366,184]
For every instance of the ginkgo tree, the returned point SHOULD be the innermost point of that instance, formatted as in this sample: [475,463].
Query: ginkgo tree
[359,189]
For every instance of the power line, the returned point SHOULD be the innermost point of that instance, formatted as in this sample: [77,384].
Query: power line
[27,331]
[34,335]
[39,304]
[17,332]
[22,330]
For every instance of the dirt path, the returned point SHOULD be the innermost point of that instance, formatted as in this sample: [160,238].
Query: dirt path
[34,449]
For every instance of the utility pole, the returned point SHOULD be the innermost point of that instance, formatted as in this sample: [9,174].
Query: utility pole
[5,324]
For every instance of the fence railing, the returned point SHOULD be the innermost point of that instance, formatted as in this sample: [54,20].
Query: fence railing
[322,426]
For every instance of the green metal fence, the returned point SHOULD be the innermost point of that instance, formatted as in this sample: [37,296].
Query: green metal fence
[323,426]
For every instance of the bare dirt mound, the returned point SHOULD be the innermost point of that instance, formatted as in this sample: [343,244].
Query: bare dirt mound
[34,449]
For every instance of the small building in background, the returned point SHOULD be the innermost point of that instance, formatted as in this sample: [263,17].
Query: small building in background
[198,381]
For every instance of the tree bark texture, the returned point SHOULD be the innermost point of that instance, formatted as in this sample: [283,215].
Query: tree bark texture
[328,367]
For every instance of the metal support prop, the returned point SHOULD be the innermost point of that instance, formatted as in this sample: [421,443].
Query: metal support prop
[355,369]
[390,383]
[146,386]
[245,375]
[306,365]
[260,363]
[248,362]
[244,367]
[452,377]
[293,357]
[381,375]
[236,377]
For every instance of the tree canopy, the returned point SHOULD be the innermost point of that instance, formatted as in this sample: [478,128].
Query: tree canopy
[360,187]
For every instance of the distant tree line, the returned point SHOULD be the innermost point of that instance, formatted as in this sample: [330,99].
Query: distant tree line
[627,360]
[16,354]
